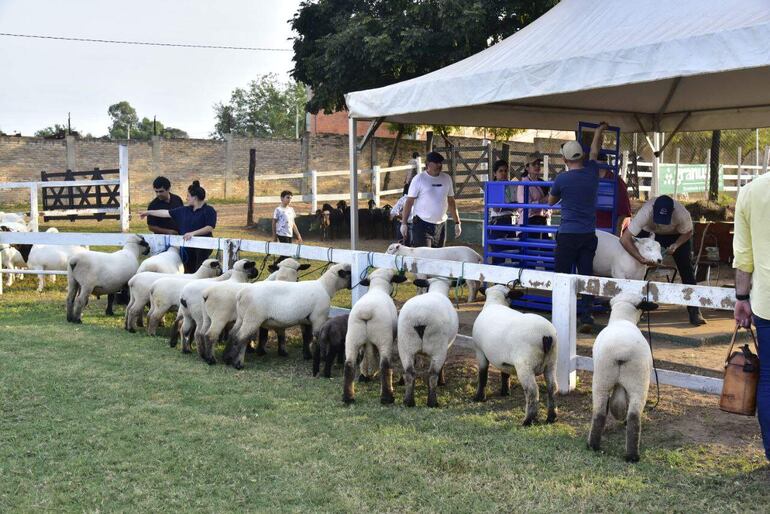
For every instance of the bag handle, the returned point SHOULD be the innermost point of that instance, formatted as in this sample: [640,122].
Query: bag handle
[732,342]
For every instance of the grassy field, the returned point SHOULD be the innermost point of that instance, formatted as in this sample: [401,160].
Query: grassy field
[95,419]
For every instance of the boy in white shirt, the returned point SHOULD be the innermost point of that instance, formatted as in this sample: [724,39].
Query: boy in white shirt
[284,226]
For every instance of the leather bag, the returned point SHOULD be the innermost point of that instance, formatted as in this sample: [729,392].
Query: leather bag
[739,390]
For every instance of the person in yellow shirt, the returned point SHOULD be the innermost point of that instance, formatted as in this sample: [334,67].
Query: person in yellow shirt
[751,247]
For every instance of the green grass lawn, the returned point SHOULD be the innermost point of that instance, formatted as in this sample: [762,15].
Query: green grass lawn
[95,419]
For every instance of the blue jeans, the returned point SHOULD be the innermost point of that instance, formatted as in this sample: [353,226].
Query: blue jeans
[763,388]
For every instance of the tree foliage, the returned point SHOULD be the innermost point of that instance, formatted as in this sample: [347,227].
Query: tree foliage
[266,107]
[124,117]
[348,45]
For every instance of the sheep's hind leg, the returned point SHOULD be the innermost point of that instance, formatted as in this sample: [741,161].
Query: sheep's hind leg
[433,379]
[307,338]
[599,418]
[386,380]
[110,301]
[281,336]
[551,386]
[633,427]
[483,375]
[409,377]
[262,341]
[531,394]
[505,384]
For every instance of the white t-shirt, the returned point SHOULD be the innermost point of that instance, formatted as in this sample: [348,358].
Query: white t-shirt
[398,209]
[284,221]
[681,221]
[430,194]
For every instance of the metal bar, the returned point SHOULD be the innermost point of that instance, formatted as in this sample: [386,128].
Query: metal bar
[369,133]
[672,134]
[353,159]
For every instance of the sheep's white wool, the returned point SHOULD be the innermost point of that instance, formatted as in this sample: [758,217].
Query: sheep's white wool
[448,253]
[11,258]
[622,366]
[276,304]
[51,258]
[509,339]
[141,284]
[165,262]
[428,325]
[612,260]
[165,295]
[101,273]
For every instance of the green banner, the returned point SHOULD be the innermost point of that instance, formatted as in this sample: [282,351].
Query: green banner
[693,178]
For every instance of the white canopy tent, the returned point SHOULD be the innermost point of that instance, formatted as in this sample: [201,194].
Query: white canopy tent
[645,66]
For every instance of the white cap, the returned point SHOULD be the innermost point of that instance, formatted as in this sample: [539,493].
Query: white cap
[572,151]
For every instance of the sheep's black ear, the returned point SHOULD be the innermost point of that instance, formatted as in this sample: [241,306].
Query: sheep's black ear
[646,306]
[453,282]
[398,279]
[343,273]
[514,294]
[215,264]
[304,266]
[365,282]
[249,265]
[272,267]
[421,282]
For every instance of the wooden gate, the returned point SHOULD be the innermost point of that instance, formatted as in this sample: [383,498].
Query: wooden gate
[97,202]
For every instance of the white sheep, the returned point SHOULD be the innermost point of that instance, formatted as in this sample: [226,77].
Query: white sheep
[51,258]
[275,304]
[612,260]
[165,294]
[12,217]
[11,259]
[219,312]
[101,273]
[428,325]
[512,340]
[448,253]
[373,320]
[165,262]
[140,286]
[191,303]
[622,366]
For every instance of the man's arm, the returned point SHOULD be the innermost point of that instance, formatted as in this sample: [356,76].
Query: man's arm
[453,209]
[158,213]
[627,241]
[553,200]
[407,210]
[275,237]
[596,144]
[682,239]
[743,261]
[208,229]
[296,231]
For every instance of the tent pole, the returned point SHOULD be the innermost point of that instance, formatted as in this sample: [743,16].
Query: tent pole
[353,157]
[655,164]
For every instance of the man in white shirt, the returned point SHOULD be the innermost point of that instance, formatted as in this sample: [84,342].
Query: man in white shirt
[430,195]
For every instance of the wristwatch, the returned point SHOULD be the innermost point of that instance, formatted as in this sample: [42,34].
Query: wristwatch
[742,297]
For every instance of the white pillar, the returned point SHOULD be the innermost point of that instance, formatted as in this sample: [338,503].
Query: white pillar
[655,165]
[357,270]
[546,167]
[33,213]
[418,166]
[125,206]
[624,170]
[353,158]
[313,191]
[564,318]
[376,185]
[226,253]
[676,171]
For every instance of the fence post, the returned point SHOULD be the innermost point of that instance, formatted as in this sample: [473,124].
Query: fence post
[624,170]
[250,199]
[547,167]
[313,191]
[676,171]
[125,206]
[33,214]
[740,170]
[358,270]
[490,160]
[565,320]
[376,185]
[226,254]
[418,165]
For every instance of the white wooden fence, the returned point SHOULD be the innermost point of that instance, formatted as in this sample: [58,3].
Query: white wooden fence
[314,197]
[564,288]
[123,210]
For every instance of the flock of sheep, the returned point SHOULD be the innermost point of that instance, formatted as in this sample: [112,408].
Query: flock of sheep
[214,306]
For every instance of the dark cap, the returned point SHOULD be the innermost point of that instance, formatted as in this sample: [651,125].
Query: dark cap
[663,210]
[534,157]
[434,157]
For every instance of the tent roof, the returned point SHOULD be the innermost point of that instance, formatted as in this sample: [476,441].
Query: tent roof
[630,63]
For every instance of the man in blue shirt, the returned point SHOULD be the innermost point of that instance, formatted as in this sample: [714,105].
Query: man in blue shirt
[577,189]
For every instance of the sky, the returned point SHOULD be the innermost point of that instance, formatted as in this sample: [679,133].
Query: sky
[42,80]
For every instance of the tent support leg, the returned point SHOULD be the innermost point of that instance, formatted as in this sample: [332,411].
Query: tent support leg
[353,158]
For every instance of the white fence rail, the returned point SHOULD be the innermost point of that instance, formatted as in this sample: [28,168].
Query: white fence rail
[123,209]
[314,197]
[564,288]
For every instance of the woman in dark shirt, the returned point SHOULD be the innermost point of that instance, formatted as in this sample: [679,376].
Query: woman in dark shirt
[197,218]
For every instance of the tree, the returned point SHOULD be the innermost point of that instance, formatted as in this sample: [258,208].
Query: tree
[55,131]
[266,107]
[123,118]
[716,137]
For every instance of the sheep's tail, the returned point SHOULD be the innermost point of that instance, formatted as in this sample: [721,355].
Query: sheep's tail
[547,344]
[618,403]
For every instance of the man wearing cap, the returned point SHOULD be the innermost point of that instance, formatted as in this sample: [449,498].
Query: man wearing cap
[751,247]
[430,195]
[577,190]
[672,226]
